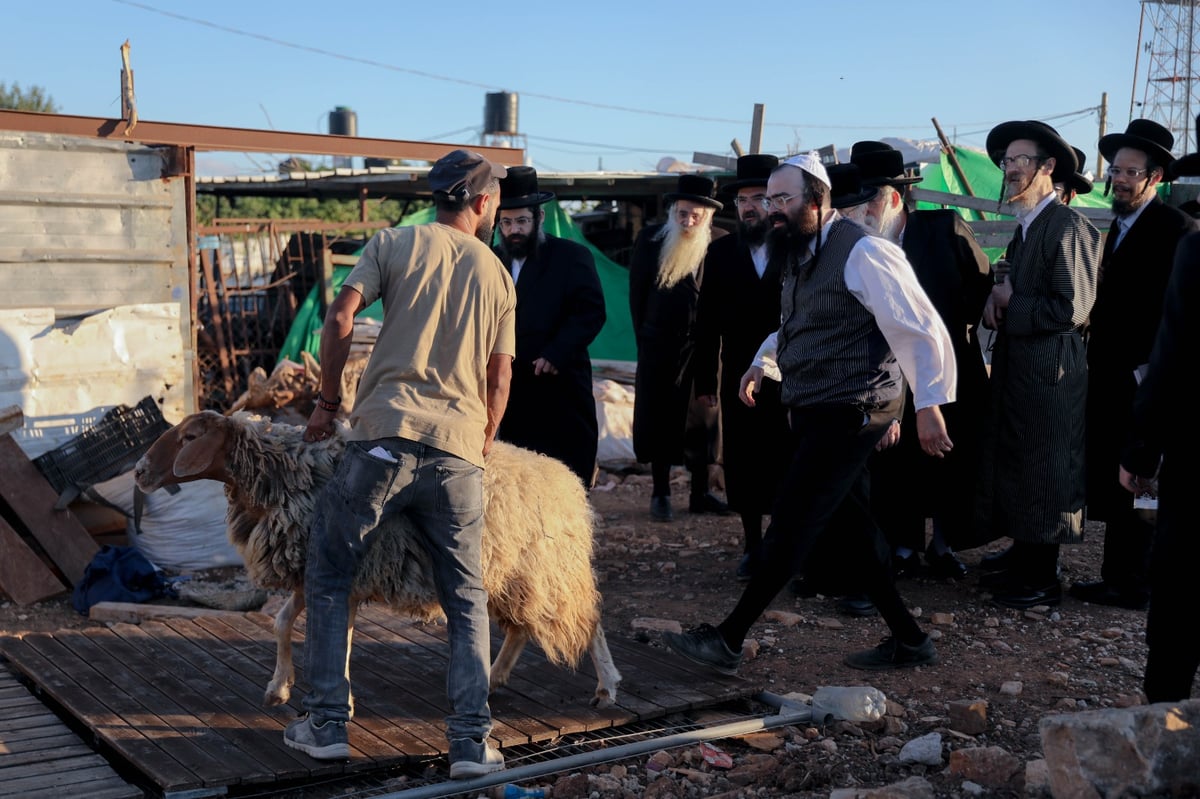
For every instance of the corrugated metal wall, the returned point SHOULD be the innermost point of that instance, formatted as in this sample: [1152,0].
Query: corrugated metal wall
[88,226]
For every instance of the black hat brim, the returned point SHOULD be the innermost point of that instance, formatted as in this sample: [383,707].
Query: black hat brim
[1006,133]
[866,194]
[696,198]
[745,183]
[907,180]
[526,200]
[1185,167]
[1079,184]
[1110,144]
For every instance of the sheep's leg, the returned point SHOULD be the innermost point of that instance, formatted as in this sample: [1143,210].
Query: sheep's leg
[515,639]
[279,689]
[607,676]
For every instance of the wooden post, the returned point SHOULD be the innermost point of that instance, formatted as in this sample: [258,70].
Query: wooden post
[211,275]
[949,151]
[756,129]
[1103,128]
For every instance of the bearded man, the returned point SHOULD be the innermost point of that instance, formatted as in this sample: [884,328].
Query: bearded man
[1138,254]
[739,306]
[665,275]
[560,310]
[855,324]
[907,487]
[1031,485]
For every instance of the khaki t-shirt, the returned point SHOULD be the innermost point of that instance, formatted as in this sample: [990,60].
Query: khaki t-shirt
[448,306]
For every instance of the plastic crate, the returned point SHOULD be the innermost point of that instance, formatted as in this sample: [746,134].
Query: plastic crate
[112,446]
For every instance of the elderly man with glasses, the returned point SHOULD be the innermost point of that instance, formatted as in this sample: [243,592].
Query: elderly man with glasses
[1136,265]
[560,310]
[855,324]
[1031,485]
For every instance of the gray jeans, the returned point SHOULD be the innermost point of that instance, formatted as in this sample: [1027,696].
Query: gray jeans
[443,496]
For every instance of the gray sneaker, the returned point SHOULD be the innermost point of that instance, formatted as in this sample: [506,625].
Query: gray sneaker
[325,741]
[891,654]
[470,758]
[704,645]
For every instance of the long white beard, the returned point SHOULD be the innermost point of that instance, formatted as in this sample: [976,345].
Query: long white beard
[682,252]
[890,222]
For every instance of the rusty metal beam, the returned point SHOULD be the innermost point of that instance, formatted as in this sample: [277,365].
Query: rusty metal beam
[245,140]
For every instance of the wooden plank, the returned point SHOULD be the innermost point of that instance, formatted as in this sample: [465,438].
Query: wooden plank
[68,782]
[59,533]
[137,612]
[23,575]
[11,418]
[69,680]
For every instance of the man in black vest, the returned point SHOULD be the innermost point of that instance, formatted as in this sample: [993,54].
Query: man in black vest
[853,319]
[560,310]
[1134,270]
[739,306]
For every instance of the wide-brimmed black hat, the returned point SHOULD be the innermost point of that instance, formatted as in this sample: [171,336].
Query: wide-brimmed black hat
[847,189]
[1076,181]
[881,164]
[752,170]
[1006,133]
[1145,135]
[1188,165]
[520,189]
[696,188]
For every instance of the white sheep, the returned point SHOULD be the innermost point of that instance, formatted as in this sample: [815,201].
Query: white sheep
[537,539]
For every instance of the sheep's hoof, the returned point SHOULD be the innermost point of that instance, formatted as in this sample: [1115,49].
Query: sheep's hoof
[603,699]
[277,695]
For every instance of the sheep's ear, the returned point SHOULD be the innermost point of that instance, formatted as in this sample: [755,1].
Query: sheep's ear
[197,455]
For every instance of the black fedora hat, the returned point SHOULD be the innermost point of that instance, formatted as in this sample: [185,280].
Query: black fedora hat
[520,189]
[847,189]
[752,170]
[1141,134]
[1188,165]
[1076,181]
[881,164]
[696,188]
[1047,137]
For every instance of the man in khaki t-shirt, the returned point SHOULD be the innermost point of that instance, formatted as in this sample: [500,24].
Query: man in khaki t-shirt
[426,413]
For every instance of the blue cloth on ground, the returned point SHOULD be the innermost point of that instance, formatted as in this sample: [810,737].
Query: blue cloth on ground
[119,574]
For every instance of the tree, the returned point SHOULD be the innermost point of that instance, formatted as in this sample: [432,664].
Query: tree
[33,99]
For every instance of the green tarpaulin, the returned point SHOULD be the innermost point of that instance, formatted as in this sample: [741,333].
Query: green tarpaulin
[615,342]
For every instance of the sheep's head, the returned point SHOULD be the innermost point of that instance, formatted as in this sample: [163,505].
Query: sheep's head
[194,449]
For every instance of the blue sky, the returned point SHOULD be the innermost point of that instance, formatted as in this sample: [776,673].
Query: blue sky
[612,84]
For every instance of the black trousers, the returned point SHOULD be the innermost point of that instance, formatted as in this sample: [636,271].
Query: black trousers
[826,491]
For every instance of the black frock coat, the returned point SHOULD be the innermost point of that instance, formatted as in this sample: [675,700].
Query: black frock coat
[1125,318]
[738,309]
[664,322]
[907,485]
[560,310]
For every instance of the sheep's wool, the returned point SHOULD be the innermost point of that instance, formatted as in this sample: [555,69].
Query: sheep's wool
[537,540]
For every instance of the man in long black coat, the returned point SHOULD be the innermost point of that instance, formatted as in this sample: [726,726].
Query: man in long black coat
[907,485]
[665,275]
[560,310]
[739,307]
[1138,254]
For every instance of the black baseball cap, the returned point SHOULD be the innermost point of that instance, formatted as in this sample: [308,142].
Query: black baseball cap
[462,174]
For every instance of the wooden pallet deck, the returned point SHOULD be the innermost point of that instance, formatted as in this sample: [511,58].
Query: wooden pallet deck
[180,699]
[41,758]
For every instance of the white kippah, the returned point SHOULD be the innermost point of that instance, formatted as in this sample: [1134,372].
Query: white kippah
[810,162]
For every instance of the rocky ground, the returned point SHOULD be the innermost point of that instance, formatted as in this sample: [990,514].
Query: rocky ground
[1022,665]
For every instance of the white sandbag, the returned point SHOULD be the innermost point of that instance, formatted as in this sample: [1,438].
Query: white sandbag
[184,531]
[614,414]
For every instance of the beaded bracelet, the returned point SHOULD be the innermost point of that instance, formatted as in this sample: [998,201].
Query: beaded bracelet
[326,405]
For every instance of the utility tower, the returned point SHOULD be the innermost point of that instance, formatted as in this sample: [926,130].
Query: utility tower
[1167,42]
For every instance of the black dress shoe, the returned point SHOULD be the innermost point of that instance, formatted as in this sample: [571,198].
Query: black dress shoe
[707,503]
[945,566]
[999,562]
[1022,596]
[660,509]
[857,605]
[1098,592]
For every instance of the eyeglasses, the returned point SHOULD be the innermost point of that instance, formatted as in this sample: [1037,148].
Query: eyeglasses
[778,201]
[753,199]
[1130,172]
[1021,161]
[520,221]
